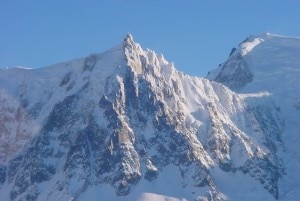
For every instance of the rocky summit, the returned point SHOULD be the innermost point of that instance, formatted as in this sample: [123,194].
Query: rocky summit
[125,125]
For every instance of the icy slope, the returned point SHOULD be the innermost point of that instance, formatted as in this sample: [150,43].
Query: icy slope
[126,125]
[271,64]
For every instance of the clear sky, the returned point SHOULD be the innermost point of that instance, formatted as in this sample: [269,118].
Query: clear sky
[196,35]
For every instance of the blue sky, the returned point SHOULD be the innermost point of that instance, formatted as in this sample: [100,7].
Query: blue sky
[196,35]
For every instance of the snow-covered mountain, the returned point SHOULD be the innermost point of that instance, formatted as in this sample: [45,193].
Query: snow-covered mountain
[126,125]
[270,64]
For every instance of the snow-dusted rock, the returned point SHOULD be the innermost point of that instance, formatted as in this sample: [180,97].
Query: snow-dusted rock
[126,125]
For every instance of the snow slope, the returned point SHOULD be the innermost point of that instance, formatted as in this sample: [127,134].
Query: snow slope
[273,65]
[40,89]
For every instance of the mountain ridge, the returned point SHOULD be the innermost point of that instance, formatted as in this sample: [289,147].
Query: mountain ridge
[274,66]
[125,120]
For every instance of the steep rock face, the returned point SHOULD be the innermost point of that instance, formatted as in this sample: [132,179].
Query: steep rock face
[123,119]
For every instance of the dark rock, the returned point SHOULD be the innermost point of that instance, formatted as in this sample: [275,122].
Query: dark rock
[150,175]
[123,188]
[66,79]
[90,63]
[61,115]
[41,172]
[3,172]
[239,77]
[232,51]
[227,167]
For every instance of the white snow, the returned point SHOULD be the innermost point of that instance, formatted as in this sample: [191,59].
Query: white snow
[42,86]
[274,61]
[276,67]
[238,186]
[248,46]
[165,188]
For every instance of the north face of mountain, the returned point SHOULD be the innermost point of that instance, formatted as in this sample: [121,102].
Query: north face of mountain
[126,125]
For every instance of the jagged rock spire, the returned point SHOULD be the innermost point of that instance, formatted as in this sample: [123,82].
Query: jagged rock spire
[132,52]
[128,38]
[128,42]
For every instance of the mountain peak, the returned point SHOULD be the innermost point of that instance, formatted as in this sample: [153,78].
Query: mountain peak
[128,38]
[132,52]
[125,122]
[257,59]
[129,43]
